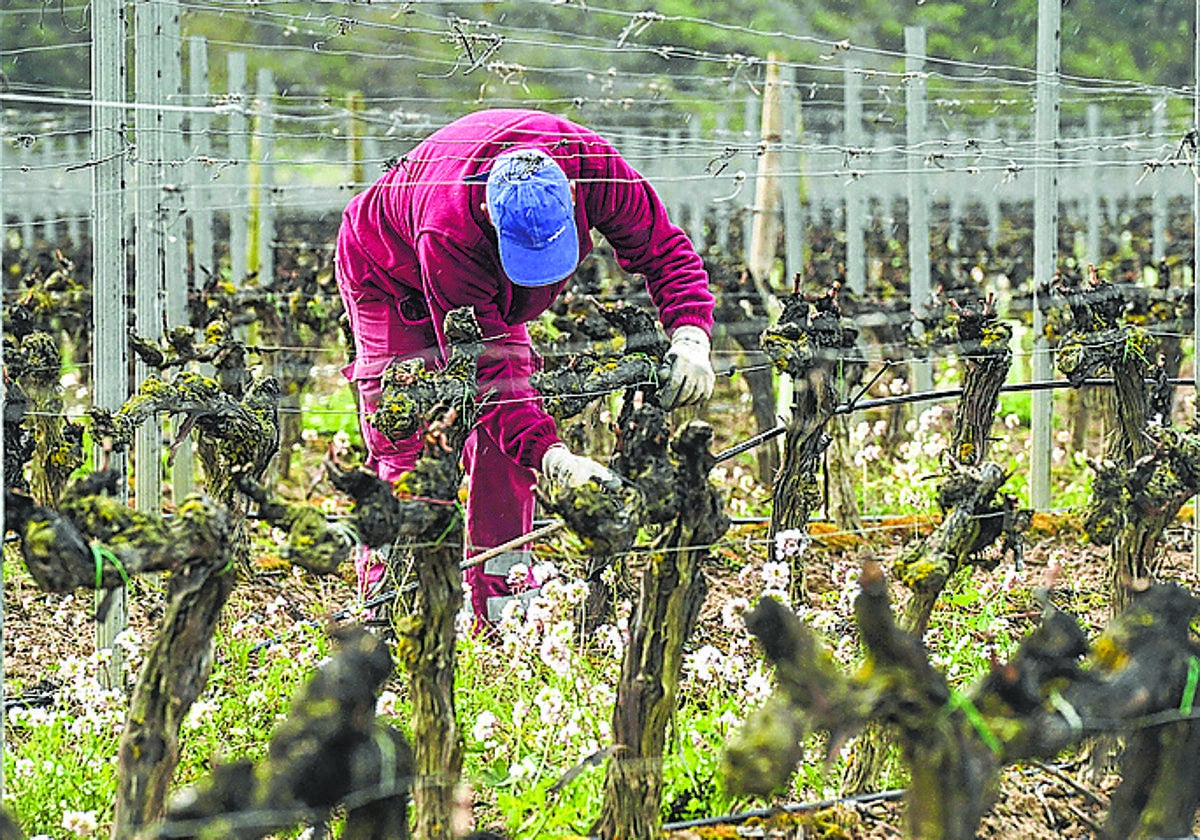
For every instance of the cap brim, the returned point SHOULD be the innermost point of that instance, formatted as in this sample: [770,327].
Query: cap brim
[543,266]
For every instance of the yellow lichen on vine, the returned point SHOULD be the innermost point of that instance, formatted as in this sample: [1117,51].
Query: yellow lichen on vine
[1109,655]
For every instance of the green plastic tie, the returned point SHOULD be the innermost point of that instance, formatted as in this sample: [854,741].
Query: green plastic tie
[458,512]
[963,703]
[387,762]
[1070,715]
[1189,688]
[100,554]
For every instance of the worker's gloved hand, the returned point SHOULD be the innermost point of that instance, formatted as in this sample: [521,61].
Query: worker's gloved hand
[687,373]
[566,469]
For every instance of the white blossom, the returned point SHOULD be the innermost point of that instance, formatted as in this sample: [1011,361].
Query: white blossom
[776,575]
[485,726]
[79,823]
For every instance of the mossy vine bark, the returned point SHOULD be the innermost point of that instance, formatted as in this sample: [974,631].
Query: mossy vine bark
[1055,691]
[421,508]
[814,345]
[329,752]
[691,518]
[1150,469]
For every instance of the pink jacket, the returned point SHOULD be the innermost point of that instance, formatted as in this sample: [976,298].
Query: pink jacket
[422,229]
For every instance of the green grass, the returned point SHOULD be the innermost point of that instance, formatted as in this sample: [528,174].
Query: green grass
[63,759]
[330,412]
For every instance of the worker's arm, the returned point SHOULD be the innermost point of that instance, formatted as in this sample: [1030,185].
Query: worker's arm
[512,410]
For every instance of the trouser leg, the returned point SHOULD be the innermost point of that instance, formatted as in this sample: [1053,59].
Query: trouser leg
[382,334]
[500,506]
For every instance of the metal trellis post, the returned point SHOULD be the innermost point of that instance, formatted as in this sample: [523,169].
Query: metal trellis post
[239,154]
[720,235]
[172,194]
[750,120]
[697,197]
[74,229]
[1196,269]
[1158,182]
[204,263]
[262,259]
[792,182]
[918,192]
[354,135]
[1092,242]
[149,280]
[856,261]
[50,160]
[110,363]
[992,199]
[1045,240]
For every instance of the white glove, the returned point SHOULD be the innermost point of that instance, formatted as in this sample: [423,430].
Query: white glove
[689,377]
[566,469]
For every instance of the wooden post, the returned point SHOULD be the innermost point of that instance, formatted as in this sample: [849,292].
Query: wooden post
[110,379]
[918,193]
[765,230]
[852,136]
[1045,241]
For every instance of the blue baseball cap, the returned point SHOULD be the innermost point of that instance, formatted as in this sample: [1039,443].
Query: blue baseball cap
[529,199]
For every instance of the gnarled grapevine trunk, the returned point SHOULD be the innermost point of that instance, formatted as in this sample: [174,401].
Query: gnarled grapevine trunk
[1149,469]
[1040,702]
[814,345]
[175,672]
[329,752]
[974,513]
[421,508]
[672,592]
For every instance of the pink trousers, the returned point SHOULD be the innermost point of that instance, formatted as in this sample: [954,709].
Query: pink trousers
[500,502]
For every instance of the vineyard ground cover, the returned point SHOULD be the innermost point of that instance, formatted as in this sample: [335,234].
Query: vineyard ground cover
[511,700]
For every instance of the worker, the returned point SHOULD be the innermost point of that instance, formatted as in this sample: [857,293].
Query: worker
[494,211]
